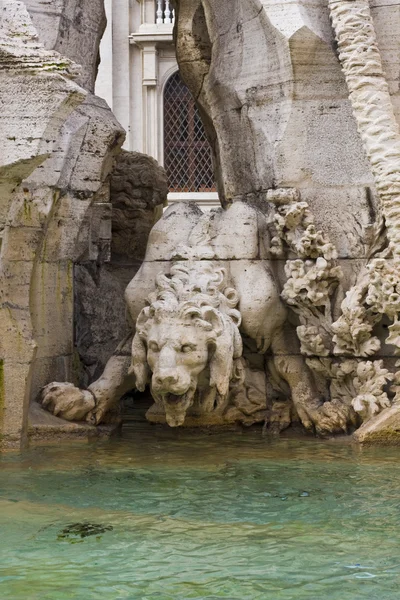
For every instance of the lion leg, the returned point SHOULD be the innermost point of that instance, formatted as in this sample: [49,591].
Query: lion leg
[292,368]
[260,306]
[73,404]
[113,383]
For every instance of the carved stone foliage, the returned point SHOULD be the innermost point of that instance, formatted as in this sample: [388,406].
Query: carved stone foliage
[372,106]
[312,276]
[376,295]
[309,291]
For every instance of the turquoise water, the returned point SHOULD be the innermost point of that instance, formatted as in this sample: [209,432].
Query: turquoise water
[177,515]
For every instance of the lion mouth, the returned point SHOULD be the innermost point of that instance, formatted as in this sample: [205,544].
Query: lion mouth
[174,398]
[176,406]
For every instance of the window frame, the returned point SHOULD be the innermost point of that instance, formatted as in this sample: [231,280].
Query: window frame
[175,195]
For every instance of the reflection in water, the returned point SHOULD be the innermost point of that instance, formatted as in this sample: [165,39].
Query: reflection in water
[180,515]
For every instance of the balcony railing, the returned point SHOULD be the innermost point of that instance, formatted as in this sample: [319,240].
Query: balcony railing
[165,14]
[156,23]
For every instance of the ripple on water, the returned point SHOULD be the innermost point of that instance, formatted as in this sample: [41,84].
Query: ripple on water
[177,515]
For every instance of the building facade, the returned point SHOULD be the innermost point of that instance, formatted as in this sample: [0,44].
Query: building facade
[139,78]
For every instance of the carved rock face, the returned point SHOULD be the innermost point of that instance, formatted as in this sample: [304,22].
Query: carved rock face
[177,352]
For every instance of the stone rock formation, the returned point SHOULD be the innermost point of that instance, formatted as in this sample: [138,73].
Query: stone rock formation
[138,190]
[72,29]
[206,281]
[188,341]
[281,307]
[345,339]
[58,147]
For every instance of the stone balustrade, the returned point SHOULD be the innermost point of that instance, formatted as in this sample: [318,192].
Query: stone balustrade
[164,13]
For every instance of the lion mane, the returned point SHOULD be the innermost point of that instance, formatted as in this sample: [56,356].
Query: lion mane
[195,292]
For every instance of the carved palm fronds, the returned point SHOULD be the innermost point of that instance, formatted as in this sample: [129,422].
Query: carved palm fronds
[369,94]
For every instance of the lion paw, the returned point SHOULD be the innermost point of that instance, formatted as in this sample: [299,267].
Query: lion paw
[330,418]
[66,401]
[341,416]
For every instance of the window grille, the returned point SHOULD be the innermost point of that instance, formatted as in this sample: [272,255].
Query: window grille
[187,153]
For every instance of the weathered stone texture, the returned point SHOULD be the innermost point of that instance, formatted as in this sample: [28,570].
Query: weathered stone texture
[275,105]
[301,265]
[138,193]
[73,28]
[281,117]
[58,146]
[138,188]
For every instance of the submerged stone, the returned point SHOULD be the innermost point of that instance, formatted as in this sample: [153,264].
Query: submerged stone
[82,530]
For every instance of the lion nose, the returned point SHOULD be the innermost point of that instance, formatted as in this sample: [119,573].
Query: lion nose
[169,379]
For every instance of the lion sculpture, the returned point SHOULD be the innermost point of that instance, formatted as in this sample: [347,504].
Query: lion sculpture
[188,341]
[207,283]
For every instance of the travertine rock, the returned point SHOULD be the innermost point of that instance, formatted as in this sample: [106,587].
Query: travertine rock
[58,144]
[188,340]
[81,190]
[73,29]
[275,106]
[138,192]
[382,429]
[301,264]
[138,188]
[28,130]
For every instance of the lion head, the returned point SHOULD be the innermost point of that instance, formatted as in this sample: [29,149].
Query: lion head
[187,341]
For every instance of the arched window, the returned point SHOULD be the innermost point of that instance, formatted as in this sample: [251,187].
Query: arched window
[187,153]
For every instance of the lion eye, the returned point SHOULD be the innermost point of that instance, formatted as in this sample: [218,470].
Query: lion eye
[153,347]
[187,348]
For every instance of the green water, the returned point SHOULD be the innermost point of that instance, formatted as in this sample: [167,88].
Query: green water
[175,515]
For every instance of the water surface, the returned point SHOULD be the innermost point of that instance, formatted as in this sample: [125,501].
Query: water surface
[183,515]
